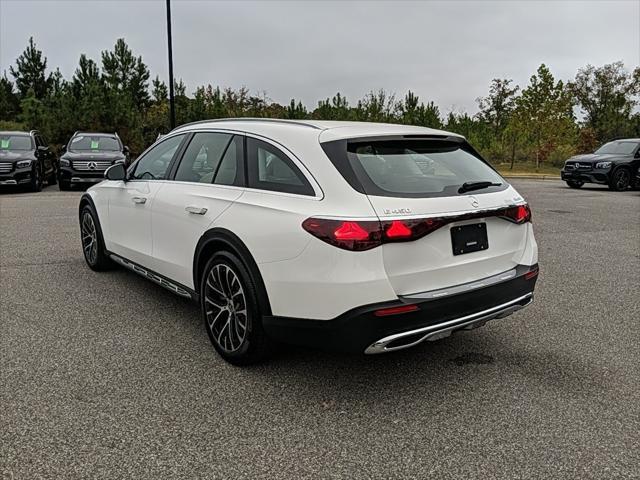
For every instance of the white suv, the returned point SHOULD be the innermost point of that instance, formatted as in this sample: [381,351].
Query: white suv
[359,236]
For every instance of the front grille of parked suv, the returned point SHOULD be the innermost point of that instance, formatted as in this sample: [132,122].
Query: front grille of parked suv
[89,165]
[6,167]
[582,166]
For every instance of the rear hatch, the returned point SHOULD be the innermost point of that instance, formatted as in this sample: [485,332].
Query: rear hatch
[417,184]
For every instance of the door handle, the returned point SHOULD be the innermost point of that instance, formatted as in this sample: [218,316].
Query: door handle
[195,210]
[139,200]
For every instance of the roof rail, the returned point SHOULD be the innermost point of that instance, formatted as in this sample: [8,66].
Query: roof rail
[251,119]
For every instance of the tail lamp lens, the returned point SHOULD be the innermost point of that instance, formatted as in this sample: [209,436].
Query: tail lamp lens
[360,235]
[519,214]
[345,234]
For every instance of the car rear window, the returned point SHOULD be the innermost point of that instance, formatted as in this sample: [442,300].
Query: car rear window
[411,168]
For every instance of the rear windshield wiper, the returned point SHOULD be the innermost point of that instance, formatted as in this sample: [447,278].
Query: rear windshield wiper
[468,186]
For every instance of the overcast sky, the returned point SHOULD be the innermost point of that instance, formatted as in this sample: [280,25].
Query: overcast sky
[447,52]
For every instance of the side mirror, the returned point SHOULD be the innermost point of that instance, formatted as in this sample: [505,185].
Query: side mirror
[42,148]
[125,150]
[63,148]
[116,172]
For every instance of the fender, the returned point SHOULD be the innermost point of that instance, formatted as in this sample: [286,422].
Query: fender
[86,199]
[217,239]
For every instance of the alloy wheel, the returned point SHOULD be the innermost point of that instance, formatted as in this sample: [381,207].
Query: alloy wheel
[89,238]
[225,308]
[622,179]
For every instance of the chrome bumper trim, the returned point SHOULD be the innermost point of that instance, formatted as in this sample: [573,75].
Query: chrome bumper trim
[464,287]
[444,329]
[86,180]
[8,182]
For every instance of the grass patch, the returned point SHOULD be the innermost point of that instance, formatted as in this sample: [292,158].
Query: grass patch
[526,168]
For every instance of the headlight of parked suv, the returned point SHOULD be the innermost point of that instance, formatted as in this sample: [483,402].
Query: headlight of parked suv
[64,162]
[603,164]
[23,164]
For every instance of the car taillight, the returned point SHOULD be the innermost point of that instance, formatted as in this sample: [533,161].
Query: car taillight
[519,214]
[360,235]
[346,234]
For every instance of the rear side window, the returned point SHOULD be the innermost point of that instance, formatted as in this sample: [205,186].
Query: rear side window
[411,168]
[268,168]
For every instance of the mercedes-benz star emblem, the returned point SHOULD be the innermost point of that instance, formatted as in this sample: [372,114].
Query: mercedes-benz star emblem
[92,165]
[474,202]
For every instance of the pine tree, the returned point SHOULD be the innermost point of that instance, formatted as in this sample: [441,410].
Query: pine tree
[30,72]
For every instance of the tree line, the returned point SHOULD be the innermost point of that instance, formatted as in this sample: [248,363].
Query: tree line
[543,122]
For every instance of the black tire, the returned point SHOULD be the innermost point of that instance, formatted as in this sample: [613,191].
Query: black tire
[53,178]
[64,185]
[575,183]
[92,242]
[620,179]
[36,179]
[228,298]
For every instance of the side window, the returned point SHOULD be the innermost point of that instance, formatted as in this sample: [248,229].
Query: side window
[230,168]
[201,159]
[270,169]
[155,163]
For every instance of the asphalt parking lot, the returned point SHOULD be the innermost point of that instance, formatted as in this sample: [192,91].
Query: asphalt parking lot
[110,376]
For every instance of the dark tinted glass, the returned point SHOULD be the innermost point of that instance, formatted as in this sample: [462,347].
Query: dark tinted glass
[270,169]
[202,157]
[15,142]
[621,148]
[409,168]
[154,165]
[89,143]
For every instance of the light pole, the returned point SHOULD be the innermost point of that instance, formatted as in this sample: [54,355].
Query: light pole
[172,103]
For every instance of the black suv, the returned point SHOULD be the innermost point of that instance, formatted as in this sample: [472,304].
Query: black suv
[88,155]
[26,159]
[614,164]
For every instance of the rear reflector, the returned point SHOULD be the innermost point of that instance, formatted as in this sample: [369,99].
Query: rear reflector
[360,235]
[384,312]
[533,273]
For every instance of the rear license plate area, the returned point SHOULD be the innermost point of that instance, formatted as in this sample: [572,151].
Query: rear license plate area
[469,238]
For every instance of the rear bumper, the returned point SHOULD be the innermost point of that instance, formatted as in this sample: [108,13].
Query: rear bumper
[601,177]
[361,330]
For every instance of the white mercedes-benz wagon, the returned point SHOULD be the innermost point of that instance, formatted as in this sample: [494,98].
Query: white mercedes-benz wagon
[357,236]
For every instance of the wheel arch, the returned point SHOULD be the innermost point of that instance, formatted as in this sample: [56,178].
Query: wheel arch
[217,239]
[86,200]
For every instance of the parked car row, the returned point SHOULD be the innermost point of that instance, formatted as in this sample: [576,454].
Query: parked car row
[27,160]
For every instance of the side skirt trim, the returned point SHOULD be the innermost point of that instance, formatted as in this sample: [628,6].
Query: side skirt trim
[174,287]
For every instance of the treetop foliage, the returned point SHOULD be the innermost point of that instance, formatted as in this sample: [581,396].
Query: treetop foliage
[546,120]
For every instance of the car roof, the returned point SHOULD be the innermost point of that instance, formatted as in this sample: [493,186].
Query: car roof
[325,130]
[104,134]
[16,133]
[624,140]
